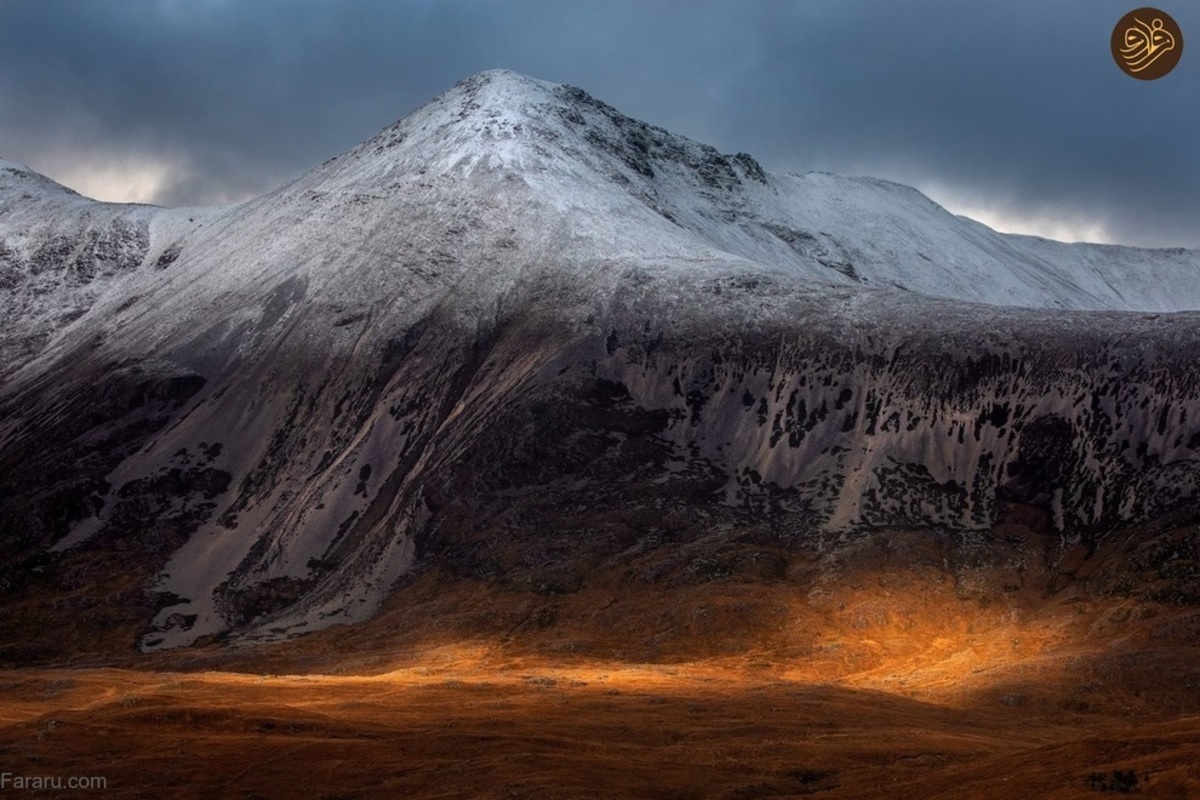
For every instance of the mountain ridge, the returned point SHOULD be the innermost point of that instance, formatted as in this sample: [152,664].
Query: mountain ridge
[501,115]
[499,349]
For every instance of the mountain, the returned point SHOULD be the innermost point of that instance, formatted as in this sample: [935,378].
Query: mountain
[520,335]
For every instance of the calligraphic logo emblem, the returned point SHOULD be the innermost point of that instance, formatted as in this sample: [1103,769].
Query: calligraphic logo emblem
[1147,44]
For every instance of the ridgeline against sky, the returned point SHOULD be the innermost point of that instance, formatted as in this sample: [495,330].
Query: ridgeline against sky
[1013,113]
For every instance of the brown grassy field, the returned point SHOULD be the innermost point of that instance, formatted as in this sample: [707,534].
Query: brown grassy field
[462,729]
[884,675]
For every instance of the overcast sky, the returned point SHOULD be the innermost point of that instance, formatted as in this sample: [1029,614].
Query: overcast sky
[1012,112]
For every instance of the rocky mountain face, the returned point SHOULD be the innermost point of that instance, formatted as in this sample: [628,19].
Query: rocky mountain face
[517,334]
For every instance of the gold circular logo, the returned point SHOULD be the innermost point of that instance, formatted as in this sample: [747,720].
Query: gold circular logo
[1147,44]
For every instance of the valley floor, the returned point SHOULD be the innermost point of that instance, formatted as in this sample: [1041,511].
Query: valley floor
[465,727]
[897,665]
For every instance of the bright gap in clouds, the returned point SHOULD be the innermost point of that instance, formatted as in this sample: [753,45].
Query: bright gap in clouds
[1003,218]
[138,178]
[125,181]
[142,179]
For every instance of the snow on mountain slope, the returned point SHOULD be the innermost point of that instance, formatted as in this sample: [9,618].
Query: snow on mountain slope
[59,252]
[826,227]
[587,184]
[519,316]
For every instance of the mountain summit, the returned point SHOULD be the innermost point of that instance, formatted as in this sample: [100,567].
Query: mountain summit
[596,167]
[517,335]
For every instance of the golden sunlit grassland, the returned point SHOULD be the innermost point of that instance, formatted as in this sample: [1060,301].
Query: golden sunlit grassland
[881,672]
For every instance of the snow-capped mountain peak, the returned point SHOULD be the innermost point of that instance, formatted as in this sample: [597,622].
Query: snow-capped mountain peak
[13,167]
[588,161]
[20,183]
[517,303]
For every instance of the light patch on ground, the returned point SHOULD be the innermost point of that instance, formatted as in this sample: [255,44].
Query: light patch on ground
[463,721]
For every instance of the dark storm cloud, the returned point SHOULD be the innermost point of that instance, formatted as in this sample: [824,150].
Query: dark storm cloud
[1011,106]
